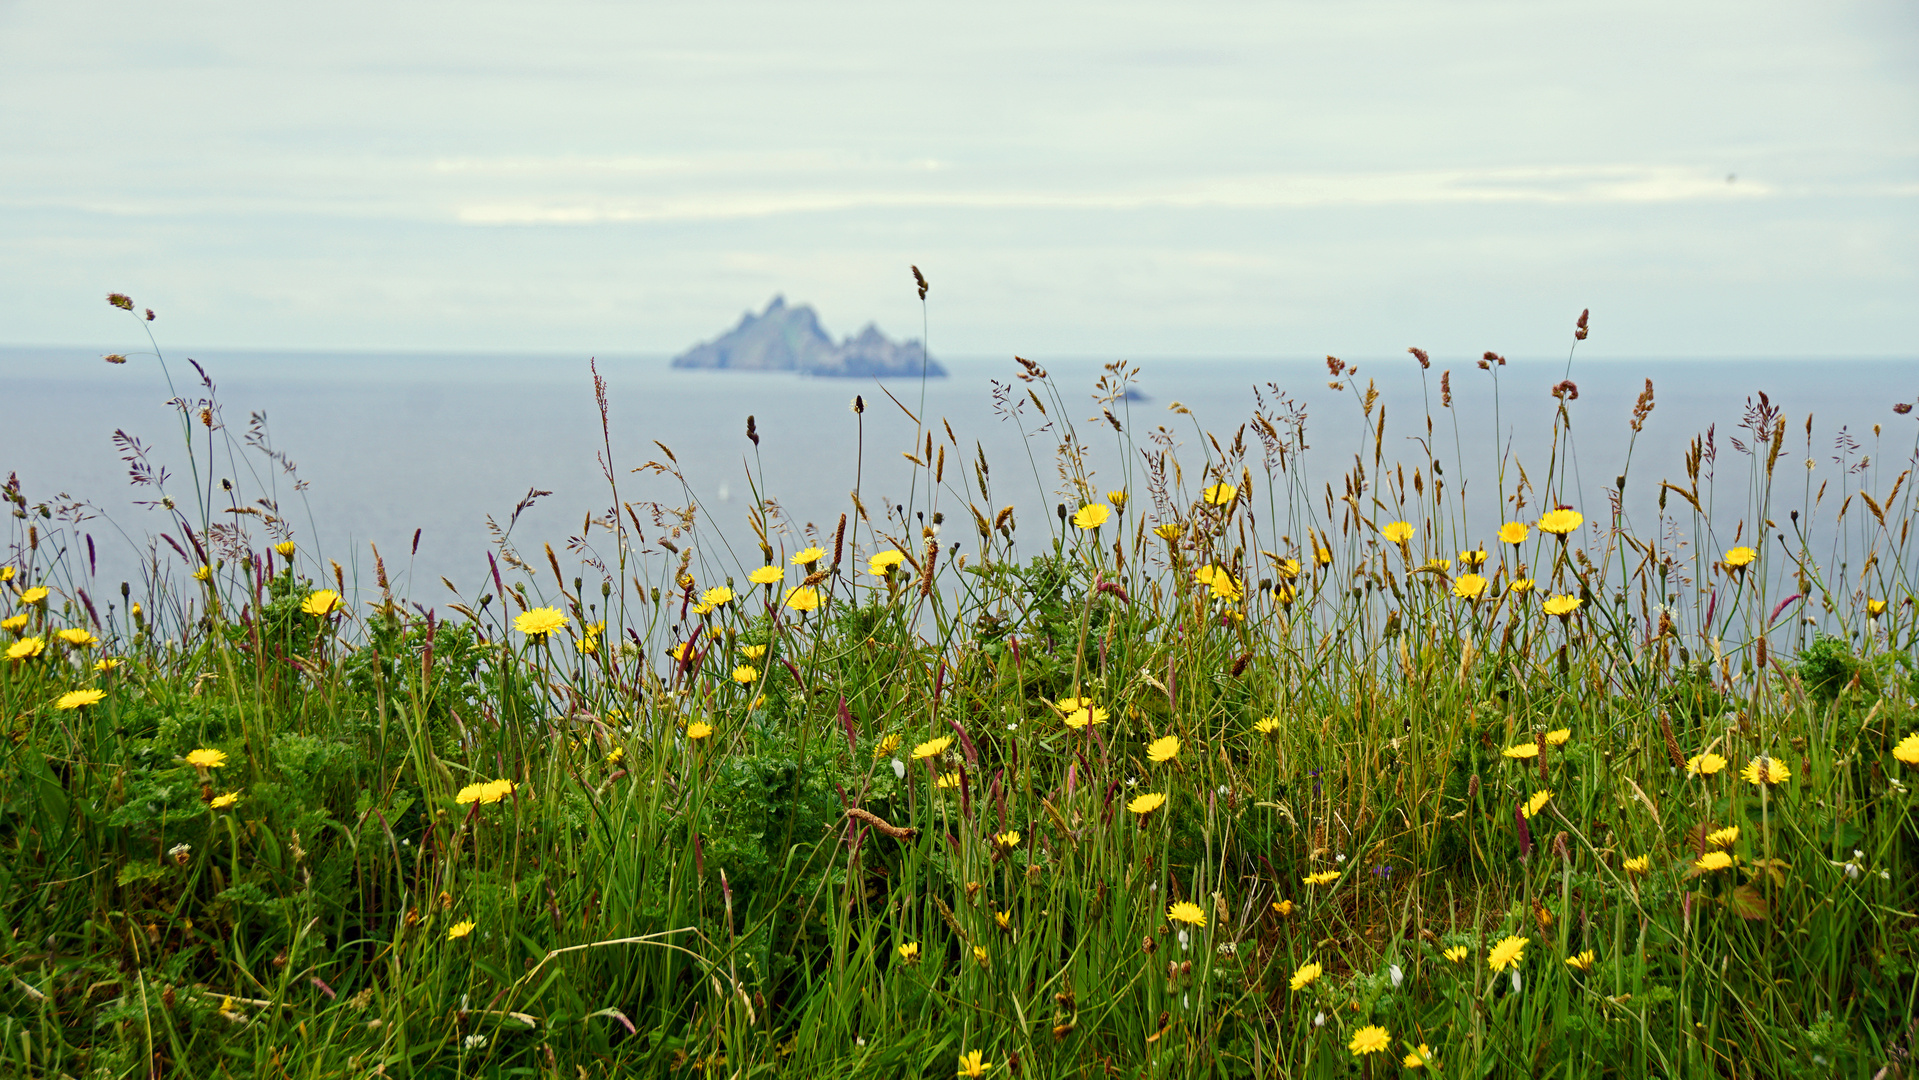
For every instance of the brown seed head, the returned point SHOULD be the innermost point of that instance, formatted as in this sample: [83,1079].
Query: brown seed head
[118,358]
[1566,390]
[1902,408]
[1579,332]
[121,301]
[1420,355]
[920,280]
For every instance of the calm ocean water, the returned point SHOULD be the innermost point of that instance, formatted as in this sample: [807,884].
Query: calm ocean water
[391,443]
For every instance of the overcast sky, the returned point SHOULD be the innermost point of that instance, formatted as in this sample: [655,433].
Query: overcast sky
[1147,180]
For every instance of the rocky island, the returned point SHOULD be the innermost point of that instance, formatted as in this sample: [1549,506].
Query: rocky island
[783,338]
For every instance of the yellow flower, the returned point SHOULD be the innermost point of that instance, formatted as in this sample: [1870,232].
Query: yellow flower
[205,573]
[1147,803]
[6,573]
[226,801]
[1438,566]
[1875,608]
[1324,877]
[1221,494]
[1638,864]
[1117,498]
[1085,714]
[715,596]
[1091,516]
[486,791]
[1323,556]
[973,1063]
[1169,531]
[1163,749]
[1469,586]
[1713,860]
[697,730]
[1397,532]
[206,759]
[745,674]
[1537,802]
[26,648]
[1007,839]
[107,664]
[1283,908]
[752,652]
[1523,750]
[1764,771]
[1907,750]
[1704,764]
[681,652]
[1508,952]
[1560,522]
[78,638]
[285,548]
[1473,560]
[1304,977]
[1187,912]
[1456,953]
[617,755]
[1513,532]
[1561,606]
[1558,736]
[766,575]
[322,601]
[887,745]
[1740,557]
[910,952]
[809,556]
[885,562]
[1725,837]
[979,955]
[539,622]
[1370,1039]
[35,595]
[13,622]
[803,598]
[1287,569]
[1583,961]
[1004,919]
[587,645]
[1266,726]
[460,929]
[1418,1057]
[1521,587]
[74,699]
[932,748]
[948,781]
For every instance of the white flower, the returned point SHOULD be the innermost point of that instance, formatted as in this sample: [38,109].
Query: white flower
[1228,949]
[1319,1020]
[1339,858]
[474,1042]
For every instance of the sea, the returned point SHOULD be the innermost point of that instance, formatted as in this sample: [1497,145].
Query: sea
[427,455]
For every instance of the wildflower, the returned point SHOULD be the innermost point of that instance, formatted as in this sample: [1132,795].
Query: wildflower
[1163,749]
[13,622]
[698,729]
[1559,736]
[1370,1039]
[1456,953]
[539,622]
[1907,750]
[1523,750]
[887,745]
[1438,566]
[1169,531]
[1324,877]
[1638,864]
[1418,1057]
[1537,802]
[205,573]
[1562,606]
[225,801]
[1221,494]
[979,955]
[6,573]
[1725,837]
[973,1063]
[35,595]
[1398,532]
[1187,912]
[1740,557]
[885,562]
[1091,516]
[745,674]
[1583,961]
[1513,532]
[1508,953]
[206,759]
[1283,908]
[1267,726]
[26,648]
[285,548]
[1473,560]
[617,755]
[1521,587]
[1323,556]
[1004,919]
[485,792]
[809,556]
[1560,522]
[803,598]
[948,781]
[587,645]
[74,699]
[1469,586]
[1713,860]
[910,952]
[460,929]
[681,652]
[1304,977]
[1288,569]
[1704,764]
[78,638]
[1875,608]
[1764,771]
[1084,715]
[766,575]
[1147,803]
[1285,595]
[323,600]
[1008,839]
[107,664]
[715,596]
[932,747]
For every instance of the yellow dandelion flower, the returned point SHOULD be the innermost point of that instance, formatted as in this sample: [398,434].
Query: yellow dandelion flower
[617,755]
[26,648]
[1187,912]
[1084,715]
[1875,608]
[803,598]
[1397,532]
[1513,532]
[1008,839]
[107,664]
[1267,726]
[766,575]
[1560,522]
[497,790]
[1147,803]
[1522,750]
[285,548]
[948,781]
[887,745]
[1304,977]
[1473,560]
[932,748]
[205,573]
[1169,531]
[1004,919]
[78,638]
[587,645]
[1511,950]
[752,652]
[809,556]
[1638,864]
[460,929]
[1725,837]
[1521,587]
[539,622]
[76,699]
[1323,556]
[469,794]
[1704,764]
[1559,736]
[1469,586]
[1907,750]
[910,952]
[35,595]
[1456,953]
[1418,1057]
[979,955]
[715,596]
[225,801]
[1287,569]
[1764,771]
[1283,908]
[1324,877]
[322,601]
[206,759]
[1740,557]
[1370,1039]
[1163,749]
[681,652]
[973,1064]
[6,573]
[1713,860]
[1537,802]
[1438,566]
[1561,606]
[697,730]
[13,622]
[1582,961]
[885,562]
[1091,516]
[1221,494]
[745,674]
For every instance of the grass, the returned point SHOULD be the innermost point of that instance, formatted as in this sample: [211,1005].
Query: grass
[632,812]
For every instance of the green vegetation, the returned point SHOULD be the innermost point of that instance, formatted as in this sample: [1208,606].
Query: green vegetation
[1210,774]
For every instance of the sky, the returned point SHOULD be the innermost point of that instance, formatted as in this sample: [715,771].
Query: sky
[1113,179]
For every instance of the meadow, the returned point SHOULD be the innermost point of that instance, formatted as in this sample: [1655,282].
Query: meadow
[1201,772]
